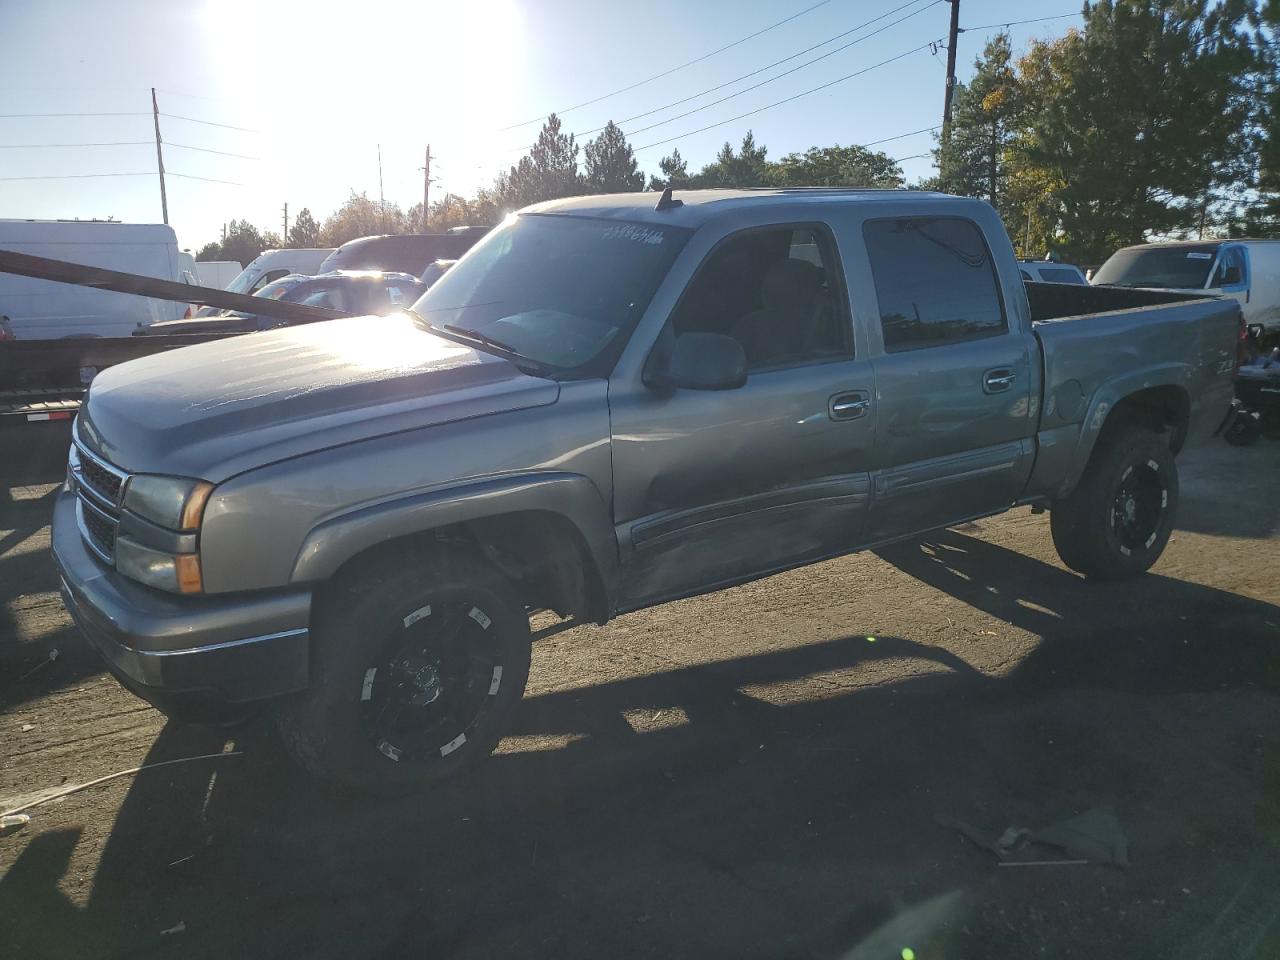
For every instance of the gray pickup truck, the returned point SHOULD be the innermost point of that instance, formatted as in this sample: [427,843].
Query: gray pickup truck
[610,402]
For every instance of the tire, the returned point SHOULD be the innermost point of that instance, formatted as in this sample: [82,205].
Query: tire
[1117,521]
[1243,430]
[417,663]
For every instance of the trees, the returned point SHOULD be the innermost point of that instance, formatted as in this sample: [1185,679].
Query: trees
[746,168]
[305,232]
[610,164]
[836,166]
[974,153]
[243,243]
[675,173]
[210,251]
[547,172]
[1140,119]
[360,217]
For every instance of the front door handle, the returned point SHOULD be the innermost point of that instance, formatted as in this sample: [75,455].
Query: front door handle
[849,406]
[998,381]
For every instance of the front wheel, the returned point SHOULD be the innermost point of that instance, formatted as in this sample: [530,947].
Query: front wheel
[1117,521]
[417,664]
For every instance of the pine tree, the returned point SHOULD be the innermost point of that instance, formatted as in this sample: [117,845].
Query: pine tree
[305,232]
[610,164]
[675,173]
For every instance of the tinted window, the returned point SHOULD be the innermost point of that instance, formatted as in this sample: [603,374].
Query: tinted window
[934,281]
[773,291]
[1060,275]
[1177,268]
[326,296]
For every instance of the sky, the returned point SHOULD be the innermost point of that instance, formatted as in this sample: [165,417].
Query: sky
[288,101]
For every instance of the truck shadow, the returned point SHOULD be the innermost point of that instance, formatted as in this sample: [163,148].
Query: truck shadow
[712,810]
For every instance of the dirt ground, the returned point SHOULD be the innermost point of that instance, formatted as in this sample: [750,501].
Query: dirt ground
[748,774]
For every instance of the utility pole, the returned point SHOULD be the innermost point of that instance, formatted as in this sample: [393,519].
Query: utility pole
[426,187]
[155,115]
[224,231]
[382,203]
[284,237]
[952,36]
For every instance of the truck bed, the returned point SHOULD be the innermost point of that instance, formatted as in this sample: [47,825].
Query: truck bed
[1100,344]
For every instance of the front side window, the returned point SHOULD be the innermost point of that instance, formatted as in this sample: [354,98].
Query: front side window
[935,282]
[561,291]
[775,291]
[1230,269]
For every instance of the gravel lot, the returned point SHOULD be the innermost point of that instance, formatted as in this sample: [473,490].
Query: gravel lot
[747,774]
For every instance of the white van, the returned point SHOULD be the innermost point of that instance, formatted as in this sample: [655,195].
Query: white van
[273,264]
[1246,270]
[44,310]
[218,274]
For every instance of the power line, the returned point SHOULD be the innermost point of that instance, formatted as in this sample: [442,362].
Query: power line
[221,153]
[778,103]
[785,73]
[150,173]
[187,176]
[209,123]
[777,63]
[50,146]
[1018,23]
[668,72]
[901,136]
[33,116]
[82,176]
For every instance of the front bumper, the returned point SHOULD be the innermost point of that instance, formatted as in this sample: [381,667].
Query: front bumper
[207,658]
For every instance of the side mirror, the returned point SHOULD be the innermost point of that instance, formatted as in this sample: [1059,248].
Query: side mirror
[1230,274]
[704,361]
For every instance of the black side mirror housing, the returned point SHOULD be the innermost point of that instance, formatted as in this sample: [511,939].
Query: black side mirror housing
[702,361]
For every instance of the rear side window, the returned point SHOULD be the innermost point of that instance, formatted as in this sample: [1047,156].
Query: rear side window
[1060,275]
[935,282]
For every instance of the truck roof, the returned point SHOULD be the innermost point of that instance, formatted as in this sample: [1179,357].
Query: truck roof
[700,206]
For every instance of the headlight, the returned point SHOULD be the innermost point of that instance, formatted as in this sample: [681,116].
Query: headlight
[173,502]
[176,573]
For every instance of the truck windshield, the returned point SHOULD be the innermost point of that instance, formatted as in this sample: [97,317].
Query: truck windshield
[1175,268]
[559,290]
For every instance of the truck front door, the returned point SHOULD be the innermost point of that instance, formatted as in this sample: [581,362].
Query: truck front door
[712,487]
[953,378]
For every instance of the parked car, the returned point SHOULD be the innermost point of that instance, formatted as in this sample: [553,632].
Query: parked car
[606,405]
[407,253]
[435,270]
[1248,271]
[1050,271]
[271,265]
[45,310]
[368,292]
[219,274]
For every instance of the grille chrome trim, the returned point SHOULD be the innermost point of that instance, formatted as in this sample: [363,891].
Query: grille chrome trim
[99,488]
[89,540]
[109,490]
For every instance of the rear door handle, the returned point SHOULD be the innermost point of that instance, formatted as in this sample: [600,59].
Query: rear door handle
[998,381]
[849,406]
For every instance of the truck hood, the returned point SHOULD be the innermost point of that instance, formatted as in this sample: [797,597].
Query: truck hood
[217,409]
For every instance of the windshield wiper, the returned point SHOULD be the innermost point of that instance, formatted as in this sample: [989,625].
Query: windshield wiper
[479,337]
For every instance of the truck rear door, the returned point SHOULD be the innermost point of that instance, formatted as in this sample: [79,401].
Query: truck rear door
[954,377]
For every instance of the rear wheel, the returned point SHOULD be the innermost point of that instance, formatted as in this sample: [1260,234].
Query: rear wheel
[418,663]
[1117,521]
[1243,430]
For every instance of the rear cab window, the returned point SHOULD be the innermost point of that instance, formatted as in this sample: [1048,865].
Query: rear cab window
[935,282]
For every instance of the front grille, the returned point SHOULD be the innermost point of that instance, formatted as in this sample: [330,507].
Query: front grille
[104,482]
[98,486]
